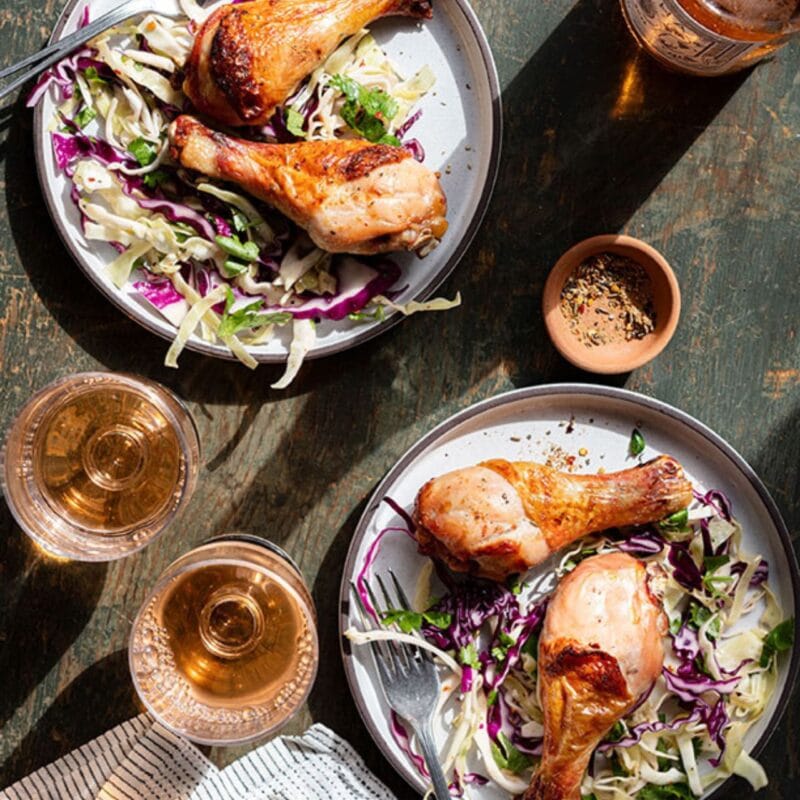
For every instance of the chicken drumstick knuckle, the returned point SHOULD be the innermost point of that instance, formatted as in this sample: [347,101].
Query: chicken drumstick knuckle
[350,195]
[600,650]
[500,517]
[248,58]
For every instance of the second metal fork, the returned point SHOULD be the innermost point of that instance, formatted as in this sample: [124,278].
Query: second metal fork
[409,678]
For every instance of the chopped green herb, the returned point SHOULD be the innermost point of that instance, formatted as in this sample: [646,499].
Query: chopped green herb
[491,698]
[468,656]
[377,315]
[672,791]
[636,445]
[152,180]
[439,619]
[367,111]
[407,621]
[231,268]
[675,522]
[663,763]
[85,116]
[240,221]
[143,151]
[531,646]
[294,123]
[93,76]
[778,640]
[617,732]
[248,317]
[675,625]
[233,246]
[514,585]
[699,614]
[508,757]
[617,768]
[713,563]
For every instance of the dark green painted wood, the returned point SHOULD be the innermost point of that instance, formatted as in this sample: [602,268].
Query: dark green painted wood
[598,139]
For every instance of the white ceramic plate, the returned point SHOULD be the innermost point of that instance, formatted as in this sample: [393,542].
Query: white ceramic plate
[460,130]
[525,425]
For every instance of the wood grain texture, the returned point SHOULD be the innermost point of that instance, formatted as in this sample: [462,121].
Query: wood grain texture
[598,139]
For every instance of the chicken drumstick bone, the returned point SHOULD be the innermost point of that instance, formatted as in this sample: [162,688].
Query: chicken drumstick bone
[351,196]
[502,517]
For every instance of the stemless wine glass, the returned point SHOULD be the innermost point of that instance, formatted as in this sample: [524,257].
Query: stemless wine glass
[224,650]
[97,464]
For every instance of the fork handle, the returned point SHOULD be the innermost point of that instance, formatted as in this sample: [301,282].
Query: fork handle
[426,743]
[64,46]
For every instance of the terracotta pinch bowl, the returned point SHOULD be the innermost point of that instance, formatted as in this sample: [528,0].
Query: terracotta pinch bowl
[613,357]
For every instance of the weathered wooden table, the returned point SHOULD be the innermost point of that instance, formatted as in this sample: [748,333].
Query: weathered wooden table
[598,139]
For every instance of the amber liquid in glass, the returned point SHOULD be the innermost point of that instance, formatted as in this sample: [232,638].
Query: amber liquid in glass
[107,460]
[97,464]
[225,648]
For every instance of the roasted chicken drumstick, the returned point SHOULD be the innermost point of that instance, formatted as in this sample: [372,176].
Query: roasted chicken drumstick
[600,651]
[351,196]
[248,58]
[499,517]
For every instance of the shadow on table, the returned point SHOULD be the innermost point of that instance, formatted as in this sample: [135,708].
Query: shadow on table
[330,702]
[101,697]
[44,605]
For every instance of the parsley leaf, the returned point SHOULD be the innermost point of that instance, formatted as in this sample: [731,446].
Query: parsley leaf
[93,76]
[367,111]
[637,444]
[713,563]
[675,522]
[508,757]
[248,317]
[378,315]
[233,246]
[468,656]
[143,151]
[152,180]
[779,639]
[409,621]
[617,732]
[698,614]
[85,116]
[295,122]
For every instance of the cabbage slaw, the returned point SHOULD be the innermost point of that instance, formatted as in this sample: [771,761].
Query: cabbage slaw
[211,260]
[718,676]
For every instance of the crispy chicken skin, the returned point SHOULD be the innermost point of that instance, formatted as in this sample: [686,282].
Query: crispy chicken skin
[600,651]
[351,196]
[499,517]
[249,58]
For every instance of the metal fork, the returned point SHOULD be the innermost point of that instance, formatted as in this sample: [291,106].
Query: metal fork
[409,678]
[63,47]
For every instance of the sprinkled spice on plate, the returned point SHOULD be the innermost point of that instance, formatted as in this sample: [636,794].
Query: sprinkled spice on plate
[608,299]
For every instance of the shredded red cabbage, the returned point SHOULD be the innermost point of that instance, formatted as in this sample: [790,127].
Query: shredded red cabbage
[686,572]
[159,293]
[716,500]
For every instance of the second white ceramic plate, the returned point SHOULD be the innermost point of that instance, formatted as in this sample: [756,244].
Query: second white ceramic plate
[554,423]
[460,130]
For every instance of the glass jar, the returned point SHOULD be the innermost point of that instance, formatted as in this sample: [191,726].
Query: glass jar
[708,37]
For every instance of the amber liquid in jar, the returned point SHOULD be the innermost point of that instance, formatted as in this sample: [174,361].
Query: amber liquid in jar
[225,648]
[711,37]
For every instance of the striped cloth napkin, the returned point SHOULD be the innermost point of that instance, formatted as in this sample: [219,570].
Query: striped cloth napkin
[142,760]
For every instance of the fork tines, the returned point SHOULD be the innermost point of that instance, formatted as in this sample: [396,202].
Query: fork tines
[393,654]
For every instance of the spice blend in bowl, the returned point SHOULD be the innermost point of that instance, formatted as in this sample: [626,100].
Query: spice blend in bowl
[608,298]
[611,304]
